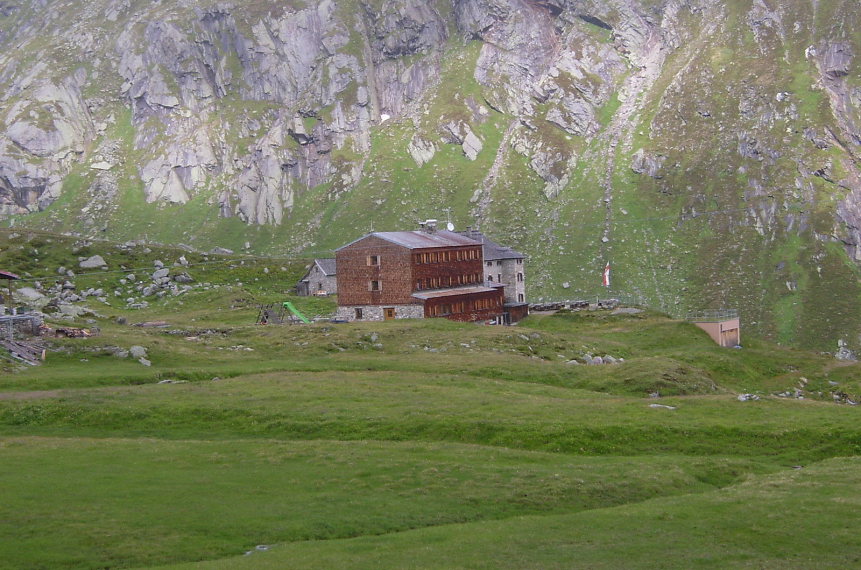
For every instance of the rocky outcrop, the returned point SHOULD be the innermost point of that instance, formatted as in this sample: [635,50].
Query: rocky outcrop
[45,135]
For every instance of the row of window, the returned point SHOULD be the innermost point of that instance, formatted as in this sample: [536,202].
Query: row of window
[444,309]
[444,256]
[441,257]
[499,262]
[499,278]
[447,281]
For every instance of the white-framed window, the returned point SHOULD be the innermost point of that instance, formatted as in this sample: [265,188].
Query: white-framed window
[374,285]
[373,260]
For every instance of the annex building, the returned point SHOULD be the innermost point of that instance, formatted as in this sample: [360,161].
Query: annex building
[320,279]
[506,266]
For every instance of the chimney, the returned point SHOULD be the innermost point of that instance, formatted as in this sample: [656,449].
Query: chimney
[431,226]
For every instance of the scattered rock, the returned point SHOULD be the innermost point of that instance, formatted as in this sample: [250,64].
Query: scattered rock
[93,262]
[29,294]
[626,311]
[662,406]
[843,352]
[747,397]
[137,351]
[422,151]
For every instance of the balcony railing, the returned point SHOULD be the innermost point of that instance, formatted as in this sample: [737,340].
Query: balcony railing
[712,315]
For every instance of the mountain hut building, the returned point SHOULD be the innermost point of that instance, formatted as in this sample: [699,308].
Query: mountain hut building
[416,274]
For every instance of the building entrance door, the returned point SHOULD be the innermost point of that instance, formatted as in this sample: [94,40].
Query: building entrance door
[389,313]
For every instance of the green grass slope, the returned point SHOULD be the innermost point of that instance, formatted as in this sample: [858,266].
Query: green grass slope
[421,444]
[793,519]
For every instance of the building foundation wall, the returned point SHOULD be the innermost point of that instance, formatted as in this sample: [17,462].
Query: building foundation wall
[376,312]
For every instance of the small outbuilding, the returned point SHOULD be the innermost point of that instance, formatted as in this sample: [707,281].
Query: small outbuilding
[722,325]
[321,279]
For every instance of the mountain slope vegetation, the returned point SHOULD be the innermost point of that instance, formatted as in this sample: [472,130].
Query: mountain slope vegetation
[709,150]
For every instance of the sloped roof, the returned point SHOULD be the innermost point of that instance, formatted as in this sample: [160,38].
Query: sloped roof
[8,275]
[419,239]
[326,265]
[455,291]
[492,250]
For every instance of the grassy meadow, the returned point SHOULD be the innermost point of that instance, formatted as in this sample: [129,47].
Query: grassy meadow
[412,444]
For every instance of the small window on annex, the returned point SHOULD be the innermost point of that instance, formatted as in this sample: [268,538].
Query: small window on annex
[358,313]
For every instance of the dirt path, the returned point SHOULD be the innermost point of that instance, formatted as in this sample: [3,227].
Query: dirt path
[35,395]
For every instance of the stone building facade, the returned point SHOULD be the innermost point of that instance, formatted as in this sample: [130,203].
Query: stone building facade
[321,279]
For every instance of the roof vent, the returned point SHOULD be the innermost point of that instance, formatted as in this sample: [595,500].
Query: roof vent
[430,226]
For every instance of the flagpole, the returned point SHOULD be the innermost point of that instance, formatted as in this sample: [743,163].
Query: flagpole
[605,278]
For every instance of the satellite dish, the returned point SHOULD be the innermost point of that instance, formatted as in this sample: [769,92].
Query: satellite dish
[450,226]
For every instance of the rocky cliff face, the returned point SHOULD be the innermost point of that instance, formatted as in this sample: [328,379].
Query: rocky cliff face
[710,150]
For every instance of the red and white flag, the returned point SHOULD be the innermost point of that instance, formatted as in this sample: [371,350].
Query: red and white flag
[605,279]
